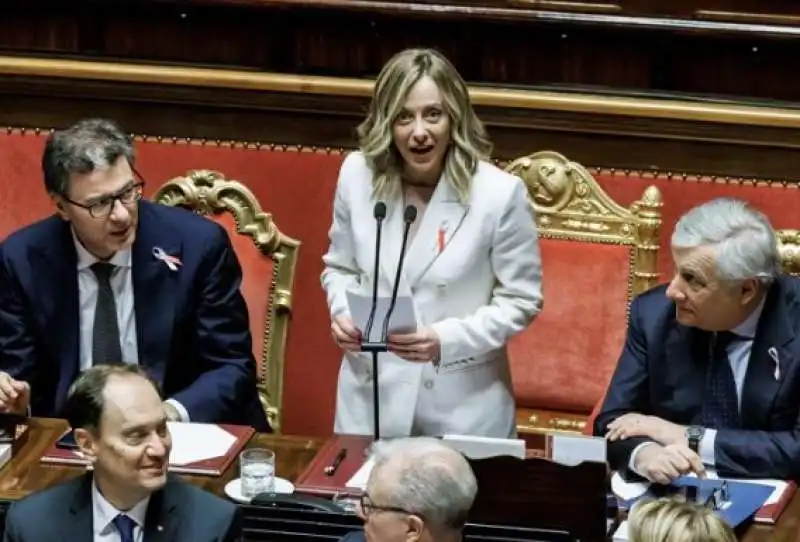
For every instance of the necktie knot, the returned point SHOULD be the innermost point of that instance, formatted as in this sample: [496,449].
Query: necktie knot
[124,525]
[103,271]
[724,338]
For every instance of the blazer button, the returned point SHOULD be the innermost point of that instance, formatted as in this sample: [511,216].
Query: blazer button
[428,384]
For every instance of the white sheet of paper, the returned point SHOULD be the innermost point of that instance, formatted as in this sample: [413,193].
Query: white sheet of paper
[359,479]
[631,490]
[193,442]
[483,447]
[403,319]
[573,450]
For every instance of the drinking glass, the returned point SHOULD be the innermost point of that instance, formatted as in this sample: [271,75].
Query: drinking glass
[257,471]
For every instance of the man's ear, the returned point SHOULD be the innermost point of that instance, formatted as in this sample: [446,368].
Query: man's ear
[414,528]
[87,443]
[750,288]
[60,204]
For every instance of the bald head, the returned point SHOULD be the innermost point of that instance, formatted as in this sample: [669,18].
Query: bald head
[425,476]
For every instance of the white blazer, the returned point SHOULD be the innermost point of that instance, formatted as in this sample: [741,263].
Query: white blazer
[482,288]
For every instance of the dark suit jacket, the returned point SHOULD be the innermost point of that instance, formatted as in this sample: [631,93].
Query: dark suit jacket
[191,324]
[178,512]
[662,372]
[353,536]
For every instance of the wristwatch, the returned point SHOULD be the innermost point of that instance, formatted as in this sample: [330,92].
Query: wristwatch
[694,434]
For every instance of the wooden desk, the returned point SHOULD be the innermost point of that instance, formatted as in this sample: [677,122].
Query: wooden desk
[24,474]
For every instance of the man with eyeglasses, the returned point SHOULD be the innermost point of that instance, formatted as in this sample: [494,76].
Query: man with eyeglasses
[113,278]
[419,489]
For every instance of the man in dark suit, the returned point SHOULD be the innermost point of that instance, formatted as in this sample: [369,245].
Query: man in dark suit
[112,278]
[120,425]
[419,490]
[710,372]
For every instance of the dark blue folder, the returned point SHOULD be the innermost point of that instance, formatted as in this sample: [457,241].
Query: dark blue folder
[744,498]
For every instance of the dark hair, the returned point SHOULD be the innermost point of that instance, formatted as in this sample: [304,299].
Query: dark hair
[82,148]
[85,399]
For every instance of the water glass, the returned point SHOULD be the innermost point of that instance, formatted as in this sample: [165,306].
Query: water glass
[257,471]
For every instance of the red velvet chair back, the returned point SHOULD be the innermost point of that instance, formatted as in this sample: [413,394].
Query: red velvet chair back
[268,260]
[596,256]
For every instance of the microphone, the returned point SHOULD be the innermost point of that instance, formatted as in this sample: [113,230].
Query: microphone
[409,216]
[380,213]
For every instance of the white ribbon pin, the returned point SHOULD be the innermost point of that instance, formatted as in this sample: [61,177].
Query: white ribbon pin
[773,353]
[170,261]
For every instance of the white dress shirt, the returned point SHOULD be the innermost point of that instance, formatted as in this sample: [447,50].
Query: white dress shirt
[103,514]
[739,358]
[122,286]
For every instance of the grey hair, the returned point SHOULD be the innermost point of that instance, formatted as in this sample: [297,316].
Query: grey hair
[743,238]
[82,148]
[429,478]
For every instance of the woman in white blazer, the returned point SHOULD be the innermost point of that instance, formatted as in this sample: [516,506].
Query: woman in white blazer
[472,265]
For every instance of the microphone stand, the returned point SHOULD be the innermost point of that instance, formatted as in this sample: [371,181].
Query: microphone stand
[380,213]
[409,216]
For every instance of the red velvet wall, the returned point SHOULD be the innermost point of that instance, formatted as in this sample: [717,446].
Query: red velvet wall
[297,186]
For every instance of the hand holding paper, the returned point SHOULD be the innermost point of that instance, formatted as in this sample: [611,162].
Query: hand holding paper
[403,319]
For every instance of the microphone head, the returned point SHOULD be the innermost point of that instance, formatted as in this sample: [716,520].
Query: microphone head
[410,214]
[379,211]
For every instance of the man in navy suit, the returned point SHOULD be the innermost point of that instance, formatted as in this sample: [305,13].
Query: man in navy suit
[112,278]
[120,426]
[710,372]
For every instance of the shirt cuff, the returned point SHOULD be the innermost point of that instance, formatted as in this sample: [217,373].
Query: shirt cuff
[706,448]
[632,462]
[182,412]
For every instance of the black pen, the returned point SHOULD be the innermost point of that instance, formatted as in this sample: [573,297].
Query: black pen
[330,470]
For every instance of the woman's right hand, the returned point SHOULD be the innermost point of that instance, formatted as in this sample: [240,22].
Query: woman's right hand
[345,334]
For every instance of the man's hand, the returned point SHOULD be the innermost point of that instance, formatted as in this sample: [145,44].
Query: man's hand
[639,425]
[345,334]
[421,346]
[662,464]
[15,395]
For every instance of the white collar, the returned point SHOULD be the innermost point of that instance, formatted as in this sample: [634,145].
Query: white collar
[104,512]
[747,329]
[87,259]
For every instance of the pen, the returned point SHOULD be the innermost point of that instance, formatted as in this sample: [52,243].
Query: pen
[330,470]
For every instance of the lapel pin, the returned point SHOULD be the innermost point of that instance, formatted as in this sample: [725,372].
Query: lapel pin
[170,261]
[159,528]
[773,353]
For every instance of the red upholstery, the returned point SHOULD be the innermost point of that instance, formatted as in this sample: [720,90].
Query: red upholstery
[297,186]
[563,361]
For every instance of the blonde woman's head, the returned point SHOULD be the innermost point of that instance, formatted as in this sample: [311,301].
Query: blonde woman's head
[421,124]
[671,520]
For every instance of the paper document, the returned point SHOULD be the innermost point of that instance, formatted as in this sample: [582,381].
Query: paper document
[192,442]
[403,319]
[360,478]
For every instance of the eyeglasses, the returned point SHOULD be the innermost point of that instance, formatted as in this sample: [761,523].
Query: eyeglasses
[102,207]
[367,506]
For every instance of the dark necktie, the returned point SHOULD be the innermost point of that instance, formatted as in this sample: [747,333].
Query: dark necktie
[720,401]
[124,525]
[105,337]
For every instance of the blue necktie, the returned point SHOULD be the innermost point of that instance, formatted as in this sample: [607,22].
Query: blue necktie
[720,402]
[124,525]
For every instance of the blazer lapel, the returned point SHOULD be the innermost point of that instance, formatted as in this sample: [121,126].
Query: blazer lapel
[154,289]
[161,521]
[770,347]
[55,265]
[391,240]
[686,359]
[440,223]
[81,526]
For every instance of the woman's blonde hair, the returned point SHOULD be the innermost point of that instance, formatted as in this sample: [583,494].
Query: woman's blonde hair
[672,520]
[469,143]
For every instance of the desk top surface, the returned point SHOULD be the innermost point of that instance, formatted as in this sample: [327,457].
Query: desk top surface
[24,473]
